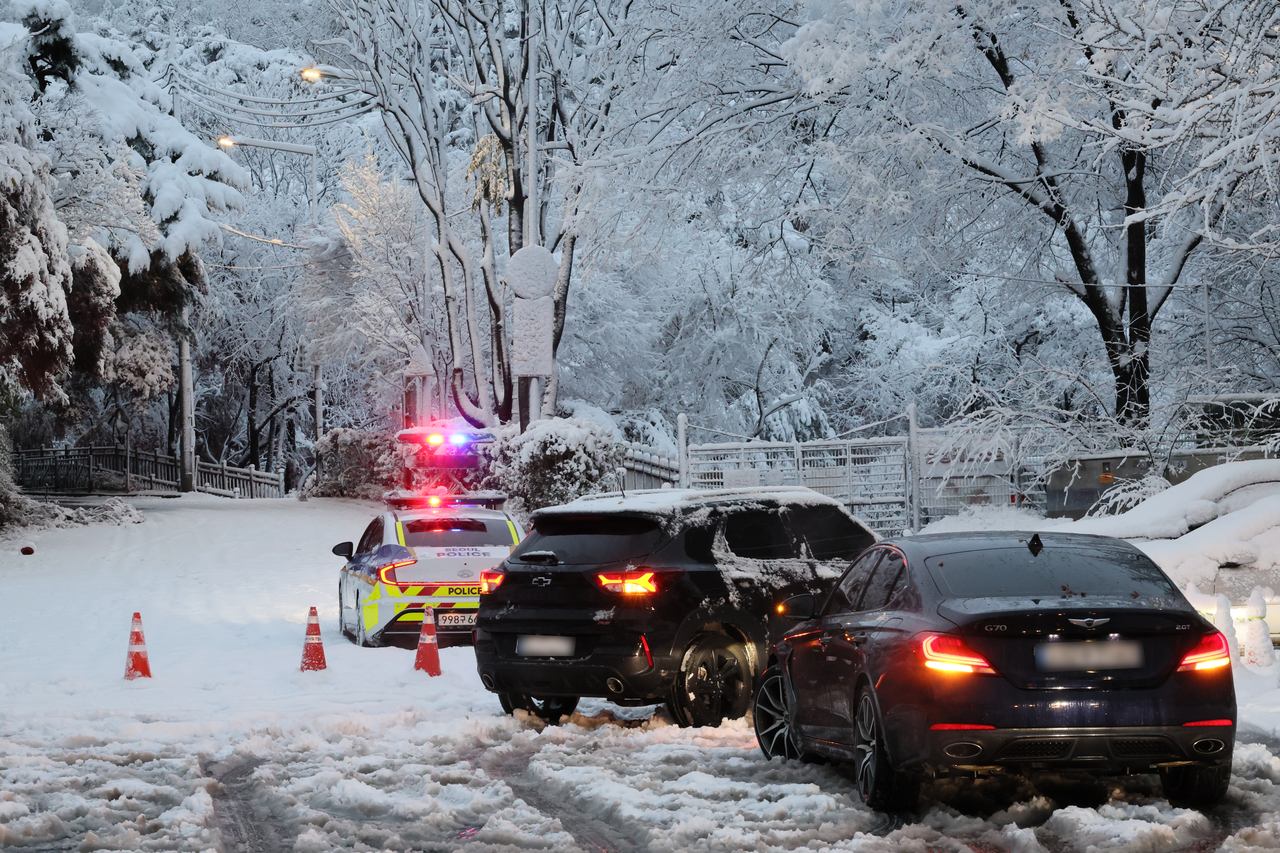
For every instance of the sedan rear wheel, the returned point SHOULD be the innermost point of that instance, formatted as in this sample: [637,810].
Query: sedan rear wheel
[362,639]
[713,684]
[880,786]
[342,616]
[1195,786]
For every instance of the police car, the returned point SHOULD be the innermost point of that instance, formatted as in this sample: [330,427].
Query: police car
[422,558]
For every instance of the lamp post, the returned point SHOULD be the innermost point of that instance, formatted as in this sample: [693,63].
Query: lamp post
[249,142]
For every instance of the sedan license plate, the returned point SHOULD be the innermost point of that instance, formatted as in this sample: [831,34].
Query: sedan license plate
[1077,657]
[538,646]
[455,619]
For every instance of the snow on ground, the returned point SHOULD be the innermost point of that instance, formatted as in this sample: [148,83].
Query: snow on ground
[230,747]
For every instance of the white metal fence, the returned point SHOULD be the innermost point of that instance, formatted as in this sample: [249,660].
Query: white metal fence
[870,475]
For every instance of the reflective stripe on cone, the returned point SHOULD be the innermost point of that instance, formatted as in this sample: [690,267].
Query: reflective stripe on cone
[312,647]
[136,664]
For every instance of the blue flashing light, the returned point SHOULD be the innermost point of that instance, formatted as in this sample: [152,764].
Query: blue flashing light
[459,438]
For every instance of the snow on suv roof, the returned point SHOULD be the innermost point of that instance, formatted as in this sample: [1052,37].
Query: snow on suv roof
[670,501]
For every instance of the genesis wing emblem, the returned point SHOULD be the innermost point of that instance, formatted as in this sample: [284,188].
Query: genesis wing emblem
[1088,623]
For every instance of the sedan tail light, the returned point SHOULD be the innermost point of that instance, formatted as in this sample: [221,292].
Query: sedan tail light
[387,573]
[491,579]
[1211,653]
[949,654]
[642,581]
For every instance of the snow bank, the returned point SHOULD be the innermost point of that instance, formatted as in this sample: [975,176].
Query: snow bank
[1196,501]
[1246,540]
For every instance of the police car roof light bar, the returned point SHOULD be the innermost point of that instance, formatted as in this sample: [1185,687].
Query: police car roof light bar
[406,500]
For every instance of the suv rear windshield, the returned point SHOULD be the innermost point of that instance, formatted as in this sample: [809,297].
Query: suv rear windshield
[1062,572]
[453,532]
[592,538]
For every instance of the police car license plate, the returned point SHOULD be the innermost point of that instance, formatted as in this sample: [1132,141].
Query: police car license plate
[460,619]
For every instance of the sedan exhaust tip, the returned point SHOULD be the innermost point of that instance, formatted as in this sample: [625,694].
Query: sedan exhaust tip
[1208,746]
[614,685]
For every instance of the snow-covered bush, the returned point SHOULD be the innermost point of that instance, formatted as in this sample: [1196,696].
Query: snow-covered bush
[360,464]
[553,462]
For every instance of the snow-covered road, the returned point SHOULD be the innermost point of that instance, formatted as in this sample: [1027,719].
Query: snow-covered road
[230,747]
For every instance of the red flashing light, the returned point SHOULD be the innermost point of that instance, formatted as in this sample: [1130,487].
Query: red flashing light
[1210,653]
[958,727]
[643,581]
[1210,723]
[491,579]
[433,501]
[435,439]
[949,654]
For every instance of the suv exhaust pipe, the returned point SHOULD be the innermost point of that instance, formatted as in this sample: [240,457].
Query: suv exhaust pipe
[614,685]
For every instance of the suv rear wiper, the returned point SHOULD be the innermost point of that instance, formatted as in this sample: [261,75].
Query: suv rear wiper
[547,558]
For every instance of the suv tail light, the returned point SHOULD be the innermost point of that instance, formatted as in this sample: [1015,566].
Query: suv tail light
[491,579]
[1211,653]
[642,581]
[950,654]
[387,573]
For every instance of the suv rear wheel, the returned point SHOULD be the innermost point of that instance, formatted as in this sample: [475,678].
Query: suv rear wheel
[549,708]
[713,684]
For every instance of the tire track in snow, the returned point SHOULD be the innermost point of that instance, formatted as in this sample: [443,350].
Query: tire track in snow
[591,834]
[233,812]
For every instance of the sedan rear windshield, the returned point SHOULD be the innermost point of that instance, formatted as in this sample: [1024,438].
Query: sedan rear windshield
[1062,572]
[455,532]
[580,539]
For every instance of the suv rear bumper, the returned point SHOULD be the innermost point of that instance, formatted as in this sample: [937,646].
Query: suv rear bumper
[613,667]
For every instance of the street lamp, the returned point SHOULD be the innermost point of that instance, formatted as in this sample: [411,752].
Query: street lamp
[249,142]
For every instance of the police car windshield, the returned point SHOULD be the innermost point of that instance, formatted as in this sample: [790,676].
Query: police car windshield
[454,532]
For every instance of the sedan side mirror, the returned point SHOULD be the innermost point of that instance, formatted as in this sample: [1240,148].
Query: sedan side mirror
[798,608]
[344,549]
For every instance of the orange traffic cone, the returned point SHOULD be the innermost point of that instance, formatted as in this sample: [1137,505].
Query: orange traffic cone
[313,649]
[136,665]
[428,659]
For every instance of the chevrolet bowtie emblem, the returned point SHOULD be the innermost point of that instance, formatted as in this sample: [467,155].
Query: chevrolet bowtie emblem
[1088,623]
[543,581]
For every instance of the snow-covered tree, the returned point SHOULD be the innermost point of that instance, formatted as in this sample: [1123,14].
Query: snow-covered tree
[35,274]
[1009,116]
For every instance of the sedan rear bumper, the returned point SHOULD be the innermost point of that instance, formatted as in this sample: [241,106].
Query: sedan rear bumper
[1101,750]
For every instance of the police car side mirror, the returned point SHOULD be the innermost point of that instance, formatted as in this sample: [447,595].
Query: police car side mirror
[798,608]
[344,549]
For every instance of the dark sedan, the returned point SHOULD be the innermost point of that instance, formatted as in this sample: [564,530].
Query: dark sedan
[990,652]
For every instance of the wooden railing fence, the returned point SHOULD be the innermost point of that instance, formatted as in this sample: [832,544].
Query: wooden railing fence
[91,469]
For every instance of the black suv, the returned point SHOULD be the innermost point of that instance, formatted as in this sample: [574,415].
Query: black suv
[658,596]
